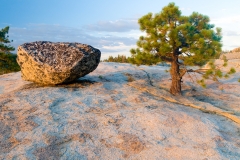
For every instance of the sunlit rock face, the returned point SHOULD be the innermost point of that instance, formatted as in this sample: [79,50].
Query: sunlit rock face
[55,63]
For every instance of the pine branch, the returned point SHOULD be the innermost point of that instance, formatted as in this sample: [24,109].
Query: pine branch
[164,58]
[200,71]
[3,60]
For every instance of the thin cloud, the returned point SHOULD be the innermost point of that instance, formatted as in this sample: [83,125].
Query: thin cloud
[118,47]
[185,9]
[227,20]
[114,26]
[231,33]
[57,33]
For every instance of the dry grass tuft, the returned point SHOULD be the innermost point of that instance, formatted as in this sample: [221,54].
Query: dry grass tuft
[129,77]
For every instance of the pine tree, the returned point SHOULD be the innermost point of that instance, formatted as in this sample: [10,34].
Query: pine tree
[4,40]
[8,61]
[171,37]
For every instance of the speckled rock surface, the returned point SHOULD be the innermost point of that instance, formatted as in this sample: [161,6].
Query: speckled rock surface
[105,116]
[55,63]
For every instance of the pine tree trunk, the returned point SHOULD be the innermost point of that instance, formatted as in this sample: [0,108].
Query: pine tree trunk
[176,79]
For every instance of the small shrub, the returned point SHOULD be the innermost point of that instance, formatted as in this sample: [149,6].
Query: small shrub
[129,77]
[232,70]
[202,83]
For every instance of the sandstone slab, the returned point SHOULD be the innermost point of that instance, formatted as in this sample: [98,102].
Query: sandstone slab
[55,63]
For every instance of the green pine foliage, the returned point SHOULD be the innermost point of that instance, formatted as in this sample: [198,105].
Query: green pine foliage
[4,41]
[225,61]
[192,36]
[8,61]
[118,59]
[214,72]
[143,58]
[202,83]
[171,37]
[232,71]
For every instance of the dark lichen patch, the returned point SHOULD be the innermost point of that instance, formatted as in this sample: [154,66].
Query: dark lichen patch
[11,123]
[56,145]
[54,148]
[151,107]
[5,135]
[3,104]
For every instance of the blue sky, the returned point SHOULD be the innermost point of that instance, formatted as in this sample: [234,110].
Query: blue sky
[109,25]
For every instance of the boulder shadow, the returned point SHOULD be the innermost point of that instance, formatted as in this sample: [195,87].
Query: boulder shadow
[79,83]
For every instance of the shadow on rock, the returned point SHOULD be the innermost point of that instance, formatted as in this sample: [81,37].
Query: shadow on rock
[80,83]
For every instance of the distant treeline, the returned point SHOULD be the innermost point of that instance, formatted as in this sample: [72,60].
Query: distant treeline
[8,63]
[119,59]
[147,59]
[138,60]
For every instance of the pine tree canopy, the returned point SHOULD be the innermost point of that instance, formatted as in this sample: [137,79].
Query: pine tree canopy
[4,48]
[168,33]
[180,40]
[8,61]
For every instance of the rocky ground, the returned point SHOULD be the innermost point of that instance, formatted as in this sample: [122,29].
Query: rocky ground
[120,111]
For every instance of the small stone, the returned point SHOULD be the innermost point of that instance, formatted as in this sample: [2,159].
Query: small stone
[56,63]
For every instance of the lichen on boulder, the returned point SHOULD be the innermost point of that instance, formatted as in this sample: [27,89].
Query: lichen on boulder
[56,63]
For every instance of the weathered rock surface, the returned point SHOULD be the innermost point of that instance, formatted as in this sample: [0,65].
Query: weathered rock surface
[231,55]
[114,113]
[55,63]
[236,50]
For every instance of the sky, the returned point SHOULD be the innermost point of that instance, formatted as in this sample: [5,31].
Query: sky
[109,25]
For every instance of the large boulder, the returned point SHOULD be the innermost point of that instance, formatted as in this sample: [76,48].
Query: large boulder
[55,63]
